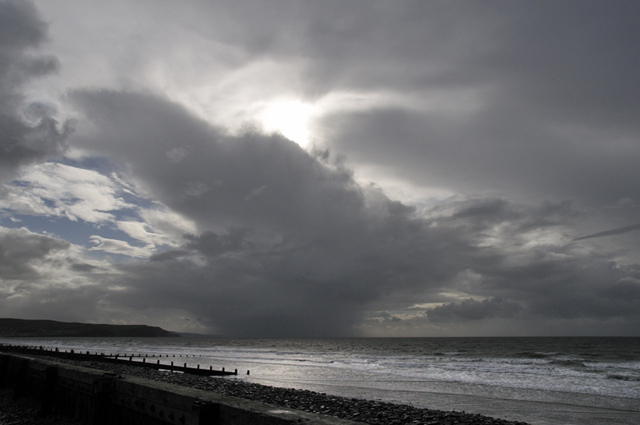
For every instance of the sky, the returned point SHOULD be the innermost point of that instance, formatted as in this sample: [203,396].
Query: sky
[312,168]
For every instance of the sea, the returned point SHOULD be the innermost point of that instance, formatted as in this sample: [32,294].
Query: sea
[541,381]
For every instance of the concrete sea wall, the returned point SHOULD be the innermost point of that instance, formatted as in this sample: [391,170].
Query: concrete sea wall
[97,398]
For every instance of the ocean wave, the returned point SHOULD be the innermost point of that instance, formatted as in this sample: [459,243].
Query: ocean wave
[533,355]
[624,378]
[569,363]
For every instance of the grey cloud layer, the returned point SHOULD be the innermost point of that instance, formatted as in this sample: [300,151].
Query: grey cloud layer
[21,251]
[22,142]
[550,88]
[304,249]
[39,278]
[218,180]
[513,102]
[291,245]
[618,231]
[546,92]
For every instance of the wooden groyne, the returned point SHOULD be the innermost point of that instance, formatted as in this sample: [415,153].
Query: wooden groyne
[140,360]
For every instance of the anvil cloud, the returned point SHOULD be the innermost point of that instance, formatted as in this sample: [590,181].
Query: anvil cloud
[322,168]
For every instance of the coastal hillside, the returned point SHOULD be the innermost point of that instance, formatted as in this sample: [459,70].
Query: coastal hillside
[51,328]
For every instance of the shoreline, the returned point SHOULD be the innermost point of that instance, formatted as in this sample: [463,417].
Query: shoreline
[360,410]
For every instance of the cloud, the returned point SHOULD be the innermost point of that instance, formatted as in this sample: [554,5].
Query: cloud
[144,231]
[21,253]
[313,249]
[114,246]
[531,115]
[211,244]
[474,310]
[503,142]
[166,225]
[105,203]
[176,154]
[42,276]
[627,289]
[221,171]
[54,189]
[304,233]
[618,231]
[32,134]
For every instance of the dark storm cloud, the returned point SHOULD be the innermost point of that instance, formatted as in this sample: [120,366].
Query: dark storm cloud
[306,251]
[322,288]
[218,180]
[291,245]
[21,142]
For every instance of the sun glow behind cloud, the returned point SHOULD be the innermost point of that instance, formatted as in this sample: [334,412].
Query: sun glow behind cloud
[289,118]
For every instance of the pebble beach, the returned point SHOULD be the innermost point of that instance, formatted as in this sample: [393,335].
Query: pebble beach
[359,410]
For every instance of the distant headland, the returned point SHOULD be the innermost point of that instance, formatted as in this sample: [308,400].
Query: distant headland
[51,328]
